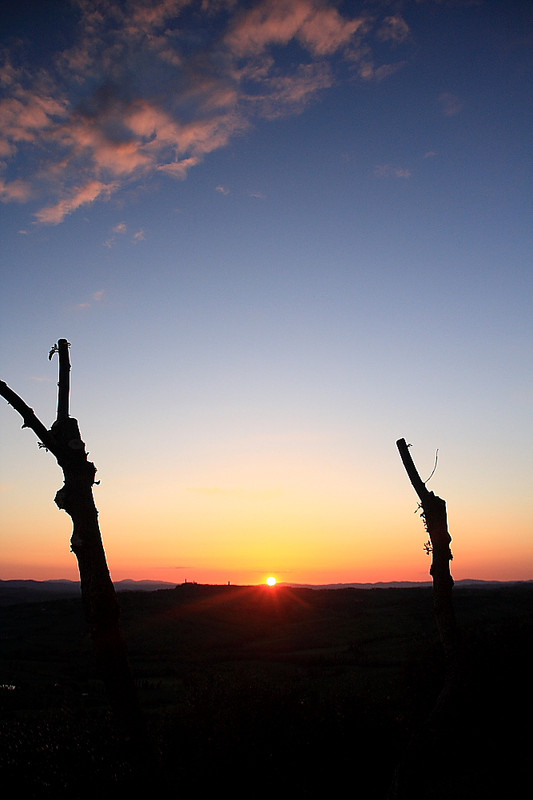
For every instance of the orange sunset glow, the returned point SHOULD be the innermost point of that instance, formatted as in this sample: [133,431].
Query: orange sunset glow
[266,292]
[279,237]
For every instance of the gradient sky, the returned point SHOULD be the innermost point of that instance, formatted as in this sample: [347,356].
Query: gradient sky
[279,235]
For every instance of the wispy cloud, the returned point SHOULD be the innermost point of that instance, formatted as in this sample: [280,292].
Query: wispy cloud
[146,88]
[393,29]
[317,27]
[118,230]
[79,196]
[97,297]
[449,104]
[390,171]
[17,190]
[369,72]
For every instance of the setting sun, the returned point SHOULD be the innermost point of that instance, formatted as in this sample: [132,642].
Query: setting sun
[271,581]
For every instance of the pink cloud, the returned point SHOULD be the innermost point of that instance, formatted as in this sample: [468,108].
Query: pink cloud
[325,31]
[319,28]
[104,141]
[118,104]
[147,17]
[369,72]
[54,214]
[163,134]
[293,92]
[178,169]
[205,135]
[24,115]
[268,23]
[18,191]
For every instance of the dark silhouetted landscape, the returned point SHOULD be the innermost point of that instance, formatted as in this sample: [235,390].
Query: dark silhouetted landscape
[288,691]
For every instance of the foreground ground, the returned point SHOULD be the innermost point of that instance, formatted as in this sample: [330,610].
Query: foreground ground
[273,692]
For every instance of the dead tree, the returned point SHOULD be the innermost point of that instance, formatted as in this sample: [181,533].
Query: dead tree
[436,522]
[99,599]
[414,778]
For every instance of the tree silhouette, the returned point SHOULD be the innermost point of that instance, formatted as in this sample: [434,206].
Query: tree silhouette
[99,599]
[415,777]
[436,522]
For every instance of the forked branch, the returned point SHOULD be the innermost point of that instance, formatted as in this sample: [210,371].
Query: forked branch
[75,497]
[29,418]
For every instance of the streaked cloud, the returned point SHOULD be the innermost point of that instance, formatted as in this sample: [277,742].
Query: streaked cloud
[141,91]
[91,191]
[292,93]
[369,72]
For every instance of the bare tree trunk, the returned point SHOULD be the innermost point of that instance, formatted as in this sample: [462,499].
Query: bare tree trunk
[99,599]
[435,518]
[416,776]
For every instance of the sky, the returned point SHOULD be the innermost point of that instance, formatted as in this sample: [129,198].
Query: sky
[279,236]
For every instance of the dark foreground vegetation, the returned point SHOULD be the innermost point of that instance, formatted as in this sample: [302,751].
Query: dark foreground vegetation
[259,692]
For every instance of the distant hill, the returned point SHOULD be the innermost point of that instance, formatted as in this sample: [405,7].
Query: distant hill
[28,591]
[469,583]
[378,585]
[12,592]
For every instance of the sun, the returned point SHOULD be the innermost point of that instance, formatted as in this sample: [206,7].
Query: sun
[271,581]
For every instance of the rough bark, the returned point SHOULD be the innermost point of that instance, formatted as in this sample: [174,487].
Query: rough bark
[99,599]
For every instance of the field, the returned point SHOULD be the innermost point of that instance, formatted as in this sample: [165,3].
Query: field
[263,692]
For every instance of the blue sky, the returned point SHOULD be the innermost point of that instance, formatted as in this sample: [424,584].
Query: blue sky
[279,236]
